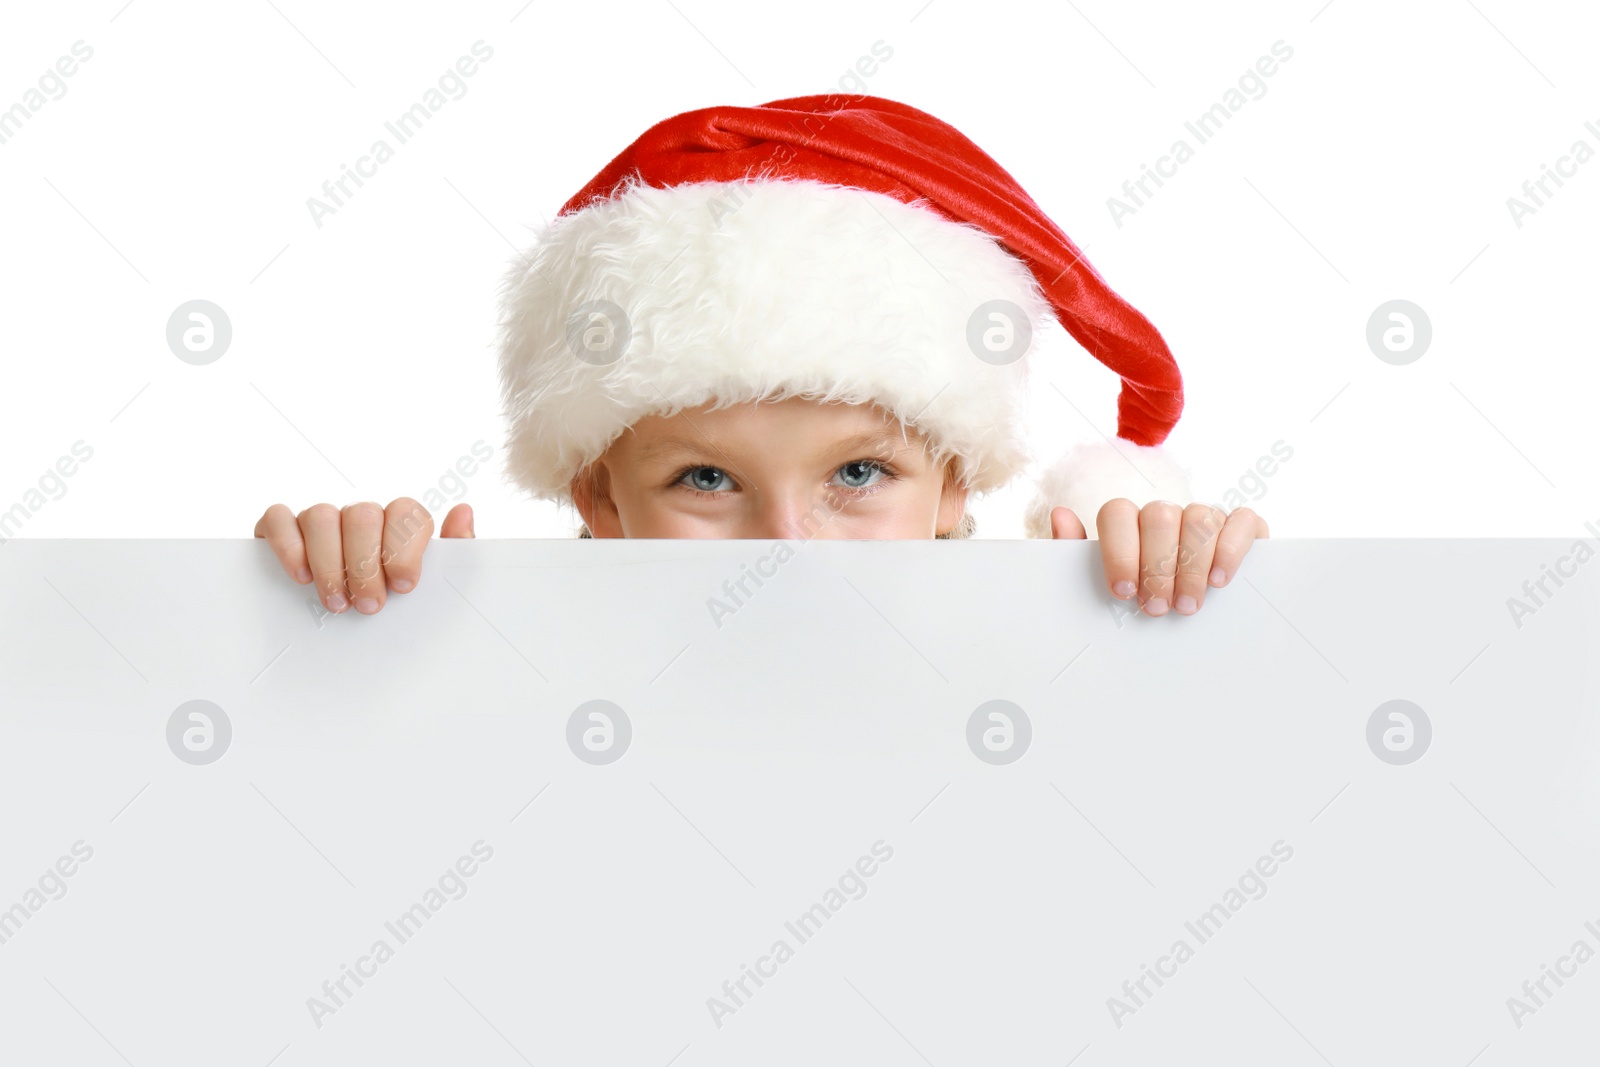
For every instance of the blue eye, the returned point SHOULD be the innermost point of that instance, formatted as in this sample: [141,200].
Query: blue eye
[859,474]
[705,479]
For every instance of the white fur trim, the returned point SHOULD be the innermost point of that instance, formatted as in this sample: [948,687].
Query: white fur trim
[762,289]
[1090,474]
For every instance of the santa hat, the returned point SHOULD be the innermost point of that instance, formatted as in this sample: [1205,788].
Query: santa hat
[844,248]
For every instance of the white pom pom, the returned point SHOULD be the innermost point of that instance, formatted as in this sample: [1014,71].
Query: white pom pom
[1090,474]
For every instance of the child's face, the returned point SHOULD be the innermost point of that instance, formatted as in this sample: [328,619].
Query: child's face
[794,468]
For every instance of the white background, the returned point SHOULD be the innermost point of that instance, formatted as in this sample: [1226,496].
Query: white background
[1377,166]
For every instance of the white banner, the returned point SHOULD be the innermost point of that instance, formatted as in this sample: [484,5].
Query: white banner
[669,802]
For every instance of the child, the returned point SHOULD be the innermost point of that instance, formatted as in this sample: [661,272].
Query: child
[805,319]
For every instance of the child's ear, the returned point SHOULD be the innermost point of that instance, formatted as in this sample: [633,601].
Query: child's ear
[952,499]
[591,494]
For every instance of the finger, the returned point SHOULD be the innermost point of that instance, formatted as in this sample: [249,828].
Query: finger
[407,526]
[319,525]
[1240,532]
[1066,526]
[1196,546]
[1118,524]
[1158,553]
[362,528]
[282,534]
[458,523]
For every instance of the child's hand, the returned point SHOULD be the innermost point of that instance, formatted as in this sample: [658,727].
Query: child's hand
[359,553]
[1173,553]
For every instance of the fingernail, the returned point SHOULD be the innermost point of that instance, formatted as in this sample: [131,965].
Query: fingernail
[402,585]
[1186,605]
[1123,589]
[1218,575]
[337,602]
[303,575]
[1156,607]
[366,605]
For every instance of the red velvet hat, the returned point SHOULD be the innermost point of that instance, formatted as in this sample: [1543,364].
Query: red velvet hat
[842,247]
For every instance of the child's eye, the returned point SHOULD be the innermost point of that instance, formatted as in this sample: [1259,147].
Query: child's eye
[710,481]
[864,475]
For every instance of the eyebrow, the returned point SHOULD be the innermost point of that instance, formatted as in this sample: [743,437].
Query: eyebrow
[693,444]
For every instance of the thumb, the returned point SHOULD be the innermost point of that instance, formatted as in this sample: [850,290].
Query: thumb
[458,523]
[1065,525]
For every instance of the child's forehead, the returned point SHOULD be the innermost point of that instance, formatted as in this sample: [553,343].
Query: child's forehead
[822,427]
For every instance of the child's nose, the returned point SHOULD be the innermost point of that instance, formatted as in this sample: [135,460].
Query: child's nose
[794,514]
